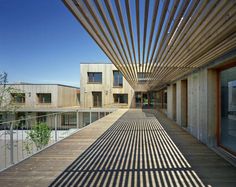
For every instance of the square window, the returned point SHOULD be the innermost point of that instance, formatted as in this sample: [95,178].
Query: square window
[44,97]
[94,77]
[18,97]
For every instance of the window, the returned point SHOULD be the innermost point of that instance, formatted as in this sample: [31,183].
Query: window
[120,98]
[228,109]
[162,99]
[68,119]
[97,99]
[142,77]
[78,98]
[95,77]
[18,97]
[44,97]
[41,117]
[117,79]
[21,117]
[1,119]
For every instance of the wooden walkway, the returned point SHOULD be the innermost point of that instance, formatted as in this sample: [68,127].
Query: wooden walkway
[41,169]
[136,150]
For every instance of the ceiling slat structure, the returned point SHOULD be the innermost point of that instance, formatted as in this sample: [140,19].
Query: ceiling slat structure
[154,42]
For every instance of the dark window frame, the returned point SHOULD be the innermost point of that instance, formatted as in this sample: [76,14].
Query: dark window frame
[68,119]
[126,98]
[119,79]
[41,117]
[18,98]
[97,99]
[219,70]
[42,100]
[142,77]
[92,77]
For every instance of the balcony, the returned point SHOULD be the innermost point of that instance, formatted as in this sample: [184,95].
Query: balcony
[125,148]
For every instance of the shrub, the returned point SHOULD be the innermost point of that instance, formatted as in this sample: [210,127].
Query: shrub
[40,134]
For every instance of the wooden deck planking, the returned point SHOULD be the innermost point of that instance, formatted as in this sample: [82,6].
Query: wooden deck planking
[140,148]
[135,151]
[42,168]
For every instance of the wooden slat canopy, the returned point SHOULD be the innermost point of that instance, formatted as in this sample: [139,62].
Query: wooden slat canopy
[153,42]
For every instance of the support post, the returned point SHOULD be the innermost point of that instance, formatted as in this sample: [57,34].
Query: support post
[77,119]
[11,145]
[90,117]
[55,127]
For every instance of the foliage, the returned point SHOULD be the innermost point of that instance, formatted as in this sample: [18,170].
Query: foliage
[40,134]
[28,145]
[7,102]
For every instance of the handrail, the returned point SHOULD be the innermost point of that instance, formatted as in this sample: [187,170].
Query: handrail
[51,114]
[15,137]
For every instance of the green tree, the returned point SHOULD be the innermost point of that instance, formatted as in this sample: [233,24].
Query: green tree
[40,134]
[7,102]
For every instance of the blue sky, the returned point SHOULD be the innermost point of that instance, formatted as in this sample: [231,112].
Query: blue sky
[42,42]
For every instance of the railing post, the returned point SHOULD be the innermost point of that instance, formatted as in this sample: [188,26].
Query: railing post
[77,119]
[11,145]
[99,115]
[55,127]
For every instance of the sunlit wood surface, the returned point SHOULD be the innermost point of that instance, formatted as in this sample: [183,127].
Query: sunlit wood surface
[139,148]
[158,41]
[137,151]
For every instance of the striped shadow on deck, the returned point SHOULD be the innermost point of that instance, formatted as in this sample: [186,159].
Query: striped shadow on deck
[134,151]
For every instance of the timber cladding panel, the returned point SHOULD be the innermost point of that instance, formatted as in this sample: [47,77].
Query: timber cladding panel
[106,87]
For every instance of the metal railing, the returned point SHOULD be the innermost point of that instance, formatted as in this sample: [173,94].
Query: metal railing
[22,138]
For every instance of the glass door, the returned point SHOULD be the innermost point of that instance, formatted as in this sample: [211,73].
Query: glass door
[227,128]
[97,99]
[138,99]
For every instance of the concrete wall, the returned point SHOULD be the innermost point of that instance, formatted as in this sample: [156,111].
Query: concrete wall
[197,105]
[203,99]
[178,102]
[106,87]
[170,101]
[200,104]
[212,113]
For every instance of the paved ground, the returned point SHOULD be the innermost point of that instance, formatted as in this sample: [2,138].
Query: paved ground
[137,150]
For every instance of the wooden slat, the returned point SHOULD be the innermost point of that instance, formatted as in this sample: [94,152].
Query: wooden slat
[145,34]
[128,14]
[184,33]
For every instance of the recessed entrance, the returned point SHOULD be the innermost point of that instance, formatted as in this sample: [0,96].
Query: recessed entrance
[184,103]
[145,99]
[97,99]
[227,128]
[174,102]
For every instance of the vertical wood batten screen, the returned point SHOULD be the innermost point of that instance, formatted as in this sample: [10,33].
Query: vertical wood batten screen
[164,39]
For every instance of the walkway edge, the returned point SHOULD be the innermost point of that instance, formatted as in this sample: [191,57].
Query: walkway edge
[42,168]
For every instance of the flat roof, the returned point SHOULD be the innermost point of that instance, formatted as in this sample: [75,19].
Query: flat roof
[43,84]
[95,63]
